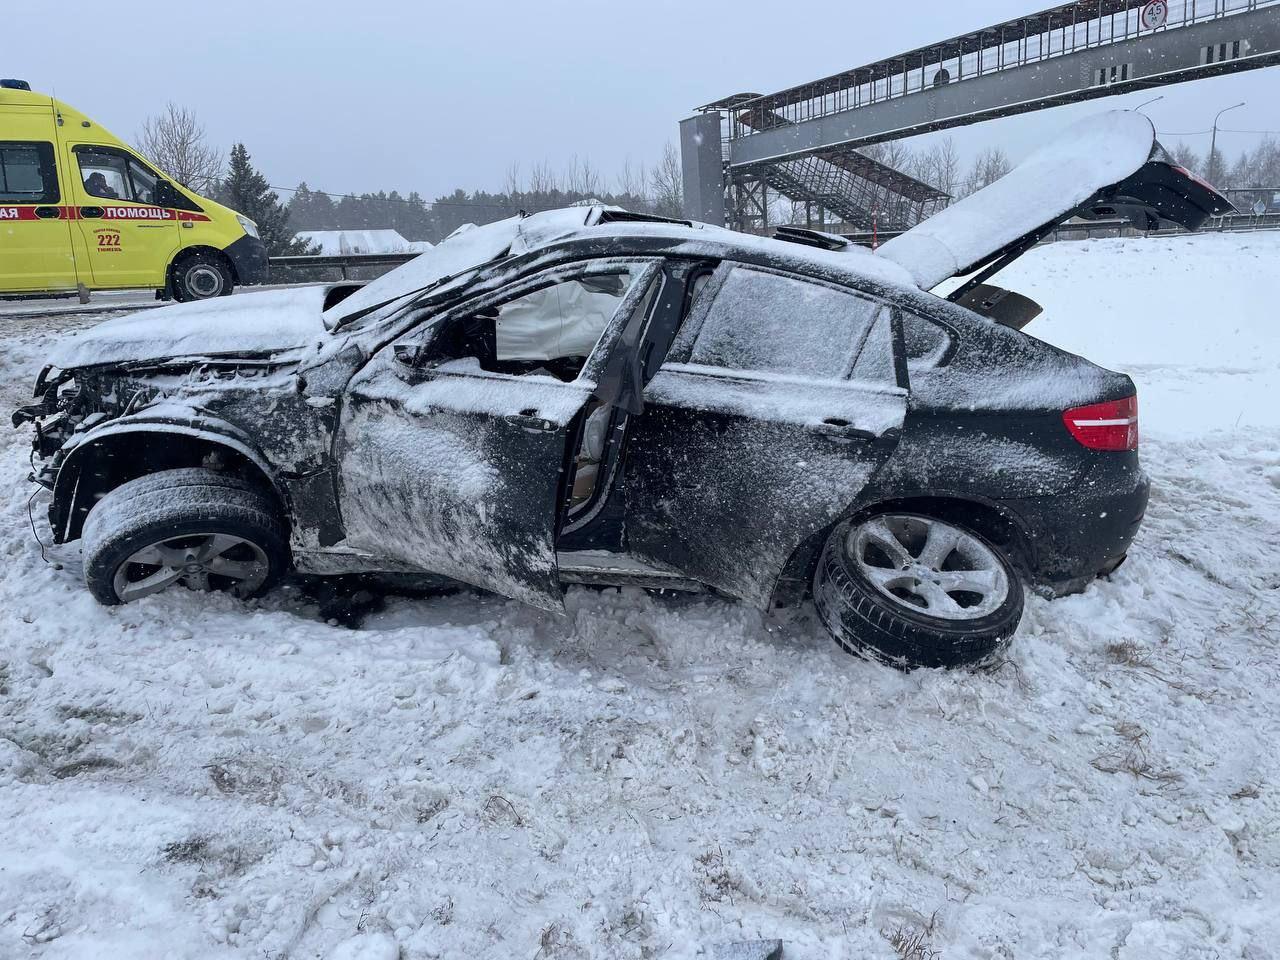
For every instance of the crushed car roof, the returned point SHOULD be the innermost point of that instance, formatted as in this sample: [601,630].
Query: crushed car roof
[460,254]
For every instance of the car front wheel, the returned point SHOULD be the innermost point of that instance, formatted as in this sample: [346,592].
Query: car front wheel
[916,591]
[192,528]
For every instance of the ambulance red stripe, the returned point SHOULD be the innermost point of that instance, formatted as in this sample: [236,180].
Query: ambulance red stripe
[113,213]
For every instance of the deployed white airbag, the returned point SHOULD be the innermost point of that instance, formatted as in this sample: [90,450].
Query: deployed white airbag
[562,320]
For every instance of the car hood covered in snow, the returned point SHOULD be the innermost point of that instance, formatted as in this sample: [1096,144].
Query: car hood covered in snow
[1107,165]
[251,324]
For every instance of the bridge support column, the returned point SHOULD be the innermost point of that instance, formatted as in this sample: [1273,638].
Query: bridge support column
[702,165]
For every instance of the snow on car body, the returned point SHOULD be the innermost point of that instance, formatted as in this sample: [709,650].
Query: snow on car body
[587,395]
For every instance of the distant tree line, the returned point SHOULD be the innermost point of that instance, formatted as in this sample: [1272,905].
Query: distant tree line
[1259,167]
[656,190]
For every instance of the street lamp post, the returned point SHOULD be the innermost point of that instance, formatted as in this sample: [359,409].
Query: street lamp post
[1147,103]
[1213,140]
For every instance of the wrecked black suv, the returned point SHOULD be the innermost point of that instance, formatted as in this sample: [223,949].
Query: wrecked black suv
[591,396]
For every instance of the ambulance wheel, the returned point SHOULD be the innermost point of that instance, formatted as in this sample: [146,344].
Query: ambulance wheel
[201,276]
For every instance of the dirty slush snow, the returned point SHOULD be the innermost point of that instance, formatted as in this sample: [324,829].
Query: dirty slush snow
[464,776]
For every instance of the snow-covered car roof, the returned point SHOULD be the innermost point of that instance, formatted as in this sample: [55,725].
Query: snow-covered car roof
[460,254]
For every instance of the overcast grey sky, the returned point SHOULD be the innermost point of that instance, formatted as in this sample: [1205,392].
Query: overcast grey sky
[388,94]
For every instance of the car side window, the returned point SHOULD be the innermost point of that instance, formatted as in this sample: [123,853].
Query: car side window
[550,330]
[113,175]
[27,173]
[772,323]
[925,344]
[143,182]
[875,359]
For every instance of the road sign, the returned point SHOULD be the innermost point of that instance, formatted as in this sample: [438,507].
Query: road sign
[1259,207]
[1154,14]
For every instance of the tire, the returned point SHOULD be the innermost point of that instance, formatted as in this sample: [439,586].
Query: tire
[201,276]
[878,601]
[189,527]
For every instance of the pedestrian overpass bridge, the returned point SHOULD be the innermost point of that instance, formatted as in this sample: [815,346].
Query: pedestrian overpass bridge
[802,142]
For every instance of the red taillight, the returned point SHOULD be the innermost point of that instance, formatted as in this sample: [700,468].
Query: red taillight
[1105,426]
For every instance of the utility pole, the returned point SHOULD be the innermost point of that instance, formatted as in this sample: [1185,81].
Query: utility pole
[1210,173]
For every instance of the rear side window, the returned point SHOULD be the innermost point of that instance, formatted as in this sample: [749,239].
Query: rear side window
[771,323]
[27,173]
[925,344]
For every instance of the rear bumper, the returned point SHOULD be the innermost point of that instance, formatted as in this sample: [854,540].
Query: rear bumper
[248,257]
[1085,533]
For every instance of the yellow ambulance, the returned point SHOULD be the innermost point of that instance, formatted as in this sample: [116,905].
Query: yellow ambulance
[81,210]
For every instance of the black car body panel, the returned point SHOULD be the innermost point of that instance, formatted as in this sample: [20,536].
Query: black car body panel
[396,435]
[330,432]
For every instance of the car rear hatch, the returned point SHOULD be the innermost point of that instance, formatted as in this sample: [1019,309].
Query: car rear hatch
[1103,167]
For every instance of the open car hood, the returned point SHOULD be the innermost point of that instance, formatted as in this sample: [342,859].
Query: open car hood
[1101,167]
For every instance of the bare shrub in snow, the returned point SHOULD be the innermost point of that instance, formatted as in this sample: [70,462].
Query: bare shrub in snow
[254,781]
[911,944]
[498,810]
[442,913]
[191,850]
[85,765]
[96,714]
[716,881]
[205,851]
[556,940]
[428,810]
[1133,758]
[1128,653]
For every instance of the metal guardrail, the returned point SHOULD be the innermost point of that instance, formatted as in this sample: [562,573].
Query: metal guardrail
[1096,229]
[317,269]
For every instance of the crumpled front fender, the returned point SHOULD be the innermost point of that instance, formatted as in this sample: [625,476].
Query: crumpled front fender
[74,493]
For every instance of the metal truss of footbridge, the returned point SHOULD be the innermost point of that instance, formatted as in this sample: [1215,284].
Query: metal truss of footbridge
[803,142]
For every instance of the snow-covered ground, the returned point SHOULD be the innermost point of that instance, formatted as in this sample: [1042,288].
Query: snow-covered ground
[464,777]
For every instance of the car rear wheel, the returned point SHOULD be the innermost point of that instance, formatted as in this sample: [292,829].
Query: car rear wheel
[201,276]
[916,591]
[192,528]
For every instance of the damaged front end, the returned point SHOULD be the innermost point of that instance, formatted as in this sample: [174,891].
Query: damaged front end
[55,416]
[77,410]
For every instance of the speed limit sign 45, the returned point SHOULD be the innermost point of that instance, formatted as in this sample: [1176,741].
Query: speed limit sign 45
[1154,14]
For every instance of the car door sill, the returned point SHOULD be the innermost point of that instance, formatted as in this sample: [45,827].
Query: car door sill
[620,569]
